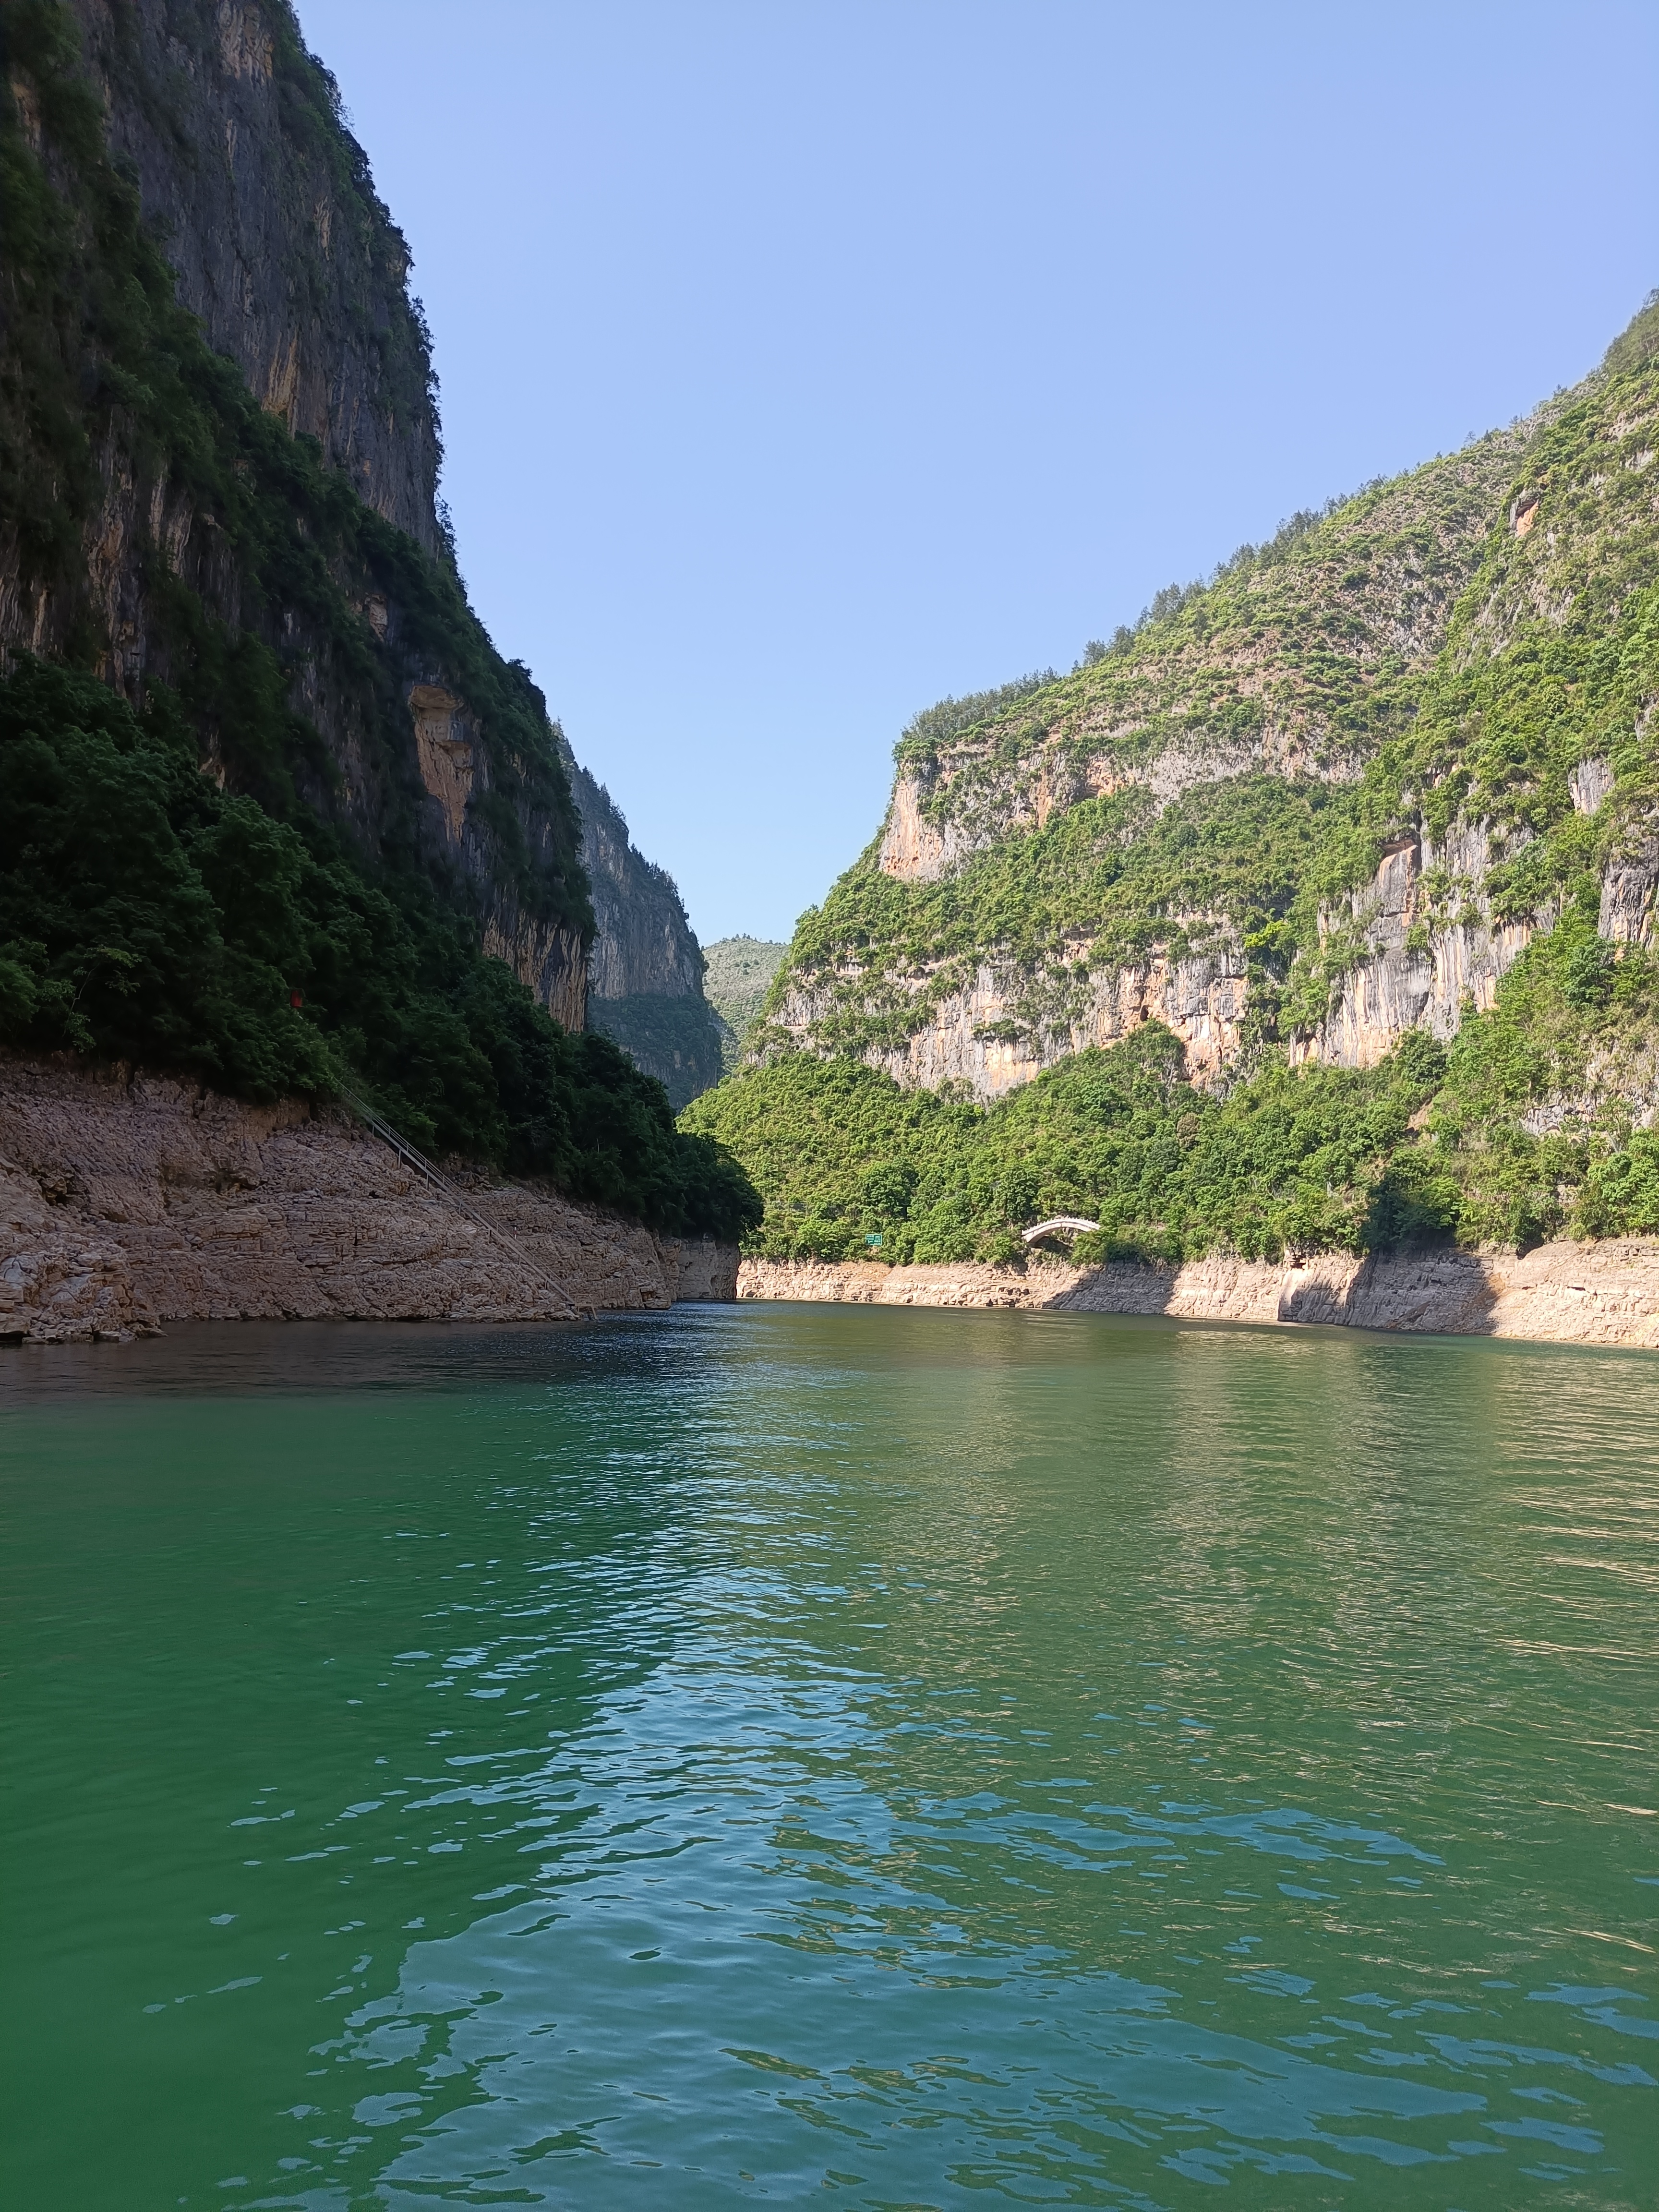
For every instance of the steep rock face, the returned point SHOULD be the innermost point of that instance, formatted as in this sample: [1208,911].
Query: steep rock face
[645,975]
[1289,669]
[984,1032]
[160,534]
[1414,697]
[1275,670]
[1415,972]
[267,211]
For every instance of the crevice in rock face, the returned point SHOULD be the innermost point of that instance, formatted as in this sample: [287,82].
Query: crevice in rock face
[445,750]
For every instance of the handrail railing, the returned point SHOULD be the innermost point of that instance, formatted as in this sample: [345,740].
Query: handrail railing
[413,1158]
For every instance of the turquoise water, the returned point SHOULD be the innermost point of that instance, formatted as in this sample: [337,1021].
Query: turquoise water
[792,1754]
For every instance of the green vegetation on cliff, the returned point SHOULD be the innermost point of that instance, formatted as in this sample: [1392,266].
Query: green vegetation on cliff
[1433,1145]
[1450,645]
[145,914]
[1461,666]
[98,355]
[275,924]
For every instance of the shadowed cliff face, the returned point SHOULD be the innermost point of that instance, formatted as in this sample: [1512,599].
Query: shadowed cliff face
[645,965]
[266,209]
[284,571]
[276,813]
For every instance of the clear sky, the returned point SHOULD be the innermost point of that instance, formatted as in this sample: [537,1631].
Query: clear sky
[804,361]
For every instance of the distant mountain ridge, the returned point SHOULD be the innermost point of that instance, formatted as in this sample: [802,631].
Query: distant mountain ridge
[645,977]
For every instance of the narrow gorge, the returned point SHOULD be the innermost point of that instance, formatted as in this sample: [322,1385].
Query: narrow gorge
[281,827]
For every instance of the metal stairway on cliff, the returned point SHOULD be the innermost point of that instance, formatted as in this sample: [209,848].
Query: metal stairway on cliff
[423,1166]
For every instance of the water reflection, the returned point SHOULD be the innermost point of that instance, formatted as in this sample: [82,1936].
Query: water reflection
[925,1756]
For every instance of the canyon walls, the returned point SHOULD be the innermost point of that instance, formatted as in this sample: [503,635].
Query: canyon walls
[223,443]
[1325,797]
[154,531]
[266,209]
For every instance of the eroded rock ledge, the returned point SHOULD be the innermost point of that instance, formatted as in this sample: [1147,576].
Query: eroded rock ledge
[127,1200]
[1564,1293]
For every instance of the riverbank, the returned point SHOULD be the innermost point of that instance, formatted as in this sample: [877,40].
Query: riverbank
[1563,1294]
[128,1200]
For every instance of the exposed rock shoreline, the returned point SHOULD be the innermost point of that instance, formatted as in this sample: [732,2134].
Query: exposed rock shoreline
[1563,1294]
[128,1200]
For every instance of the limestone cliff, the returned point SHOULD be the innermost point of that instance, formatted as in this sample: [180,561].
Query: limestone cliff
[645,977]
[266,209]
[1323,800]
[220,551]
[119,545]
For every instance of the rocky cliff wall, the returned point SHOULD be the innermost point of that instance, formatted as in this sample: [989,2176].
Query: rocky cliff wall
[1563,1293]
[644,974]
[1287,668]
[128,1200]
[1011,1019]
[1441,693]
[320,643]
[266,209]
[1401,958]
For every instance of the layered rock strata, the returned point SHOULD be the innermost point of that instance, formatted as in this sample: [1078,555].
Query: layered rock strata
[1274,682]
[1561,1293]
[1147,837]
[127,1200]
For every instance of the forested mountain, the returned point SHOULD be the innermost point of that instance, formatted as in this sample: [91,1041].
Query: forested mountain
[1338,866]
[740,973]
[273,810]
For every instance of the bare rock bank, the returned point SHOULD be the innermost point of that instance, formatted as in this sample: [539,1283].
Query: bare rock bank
[129,1200]
[1563,1294]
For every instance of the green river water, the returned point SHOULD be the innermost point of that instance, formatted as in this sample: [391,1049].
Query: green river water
[825,1755]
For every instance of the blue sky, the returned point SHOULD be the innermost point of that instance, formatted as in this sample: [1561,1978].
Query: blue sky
[804,361]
